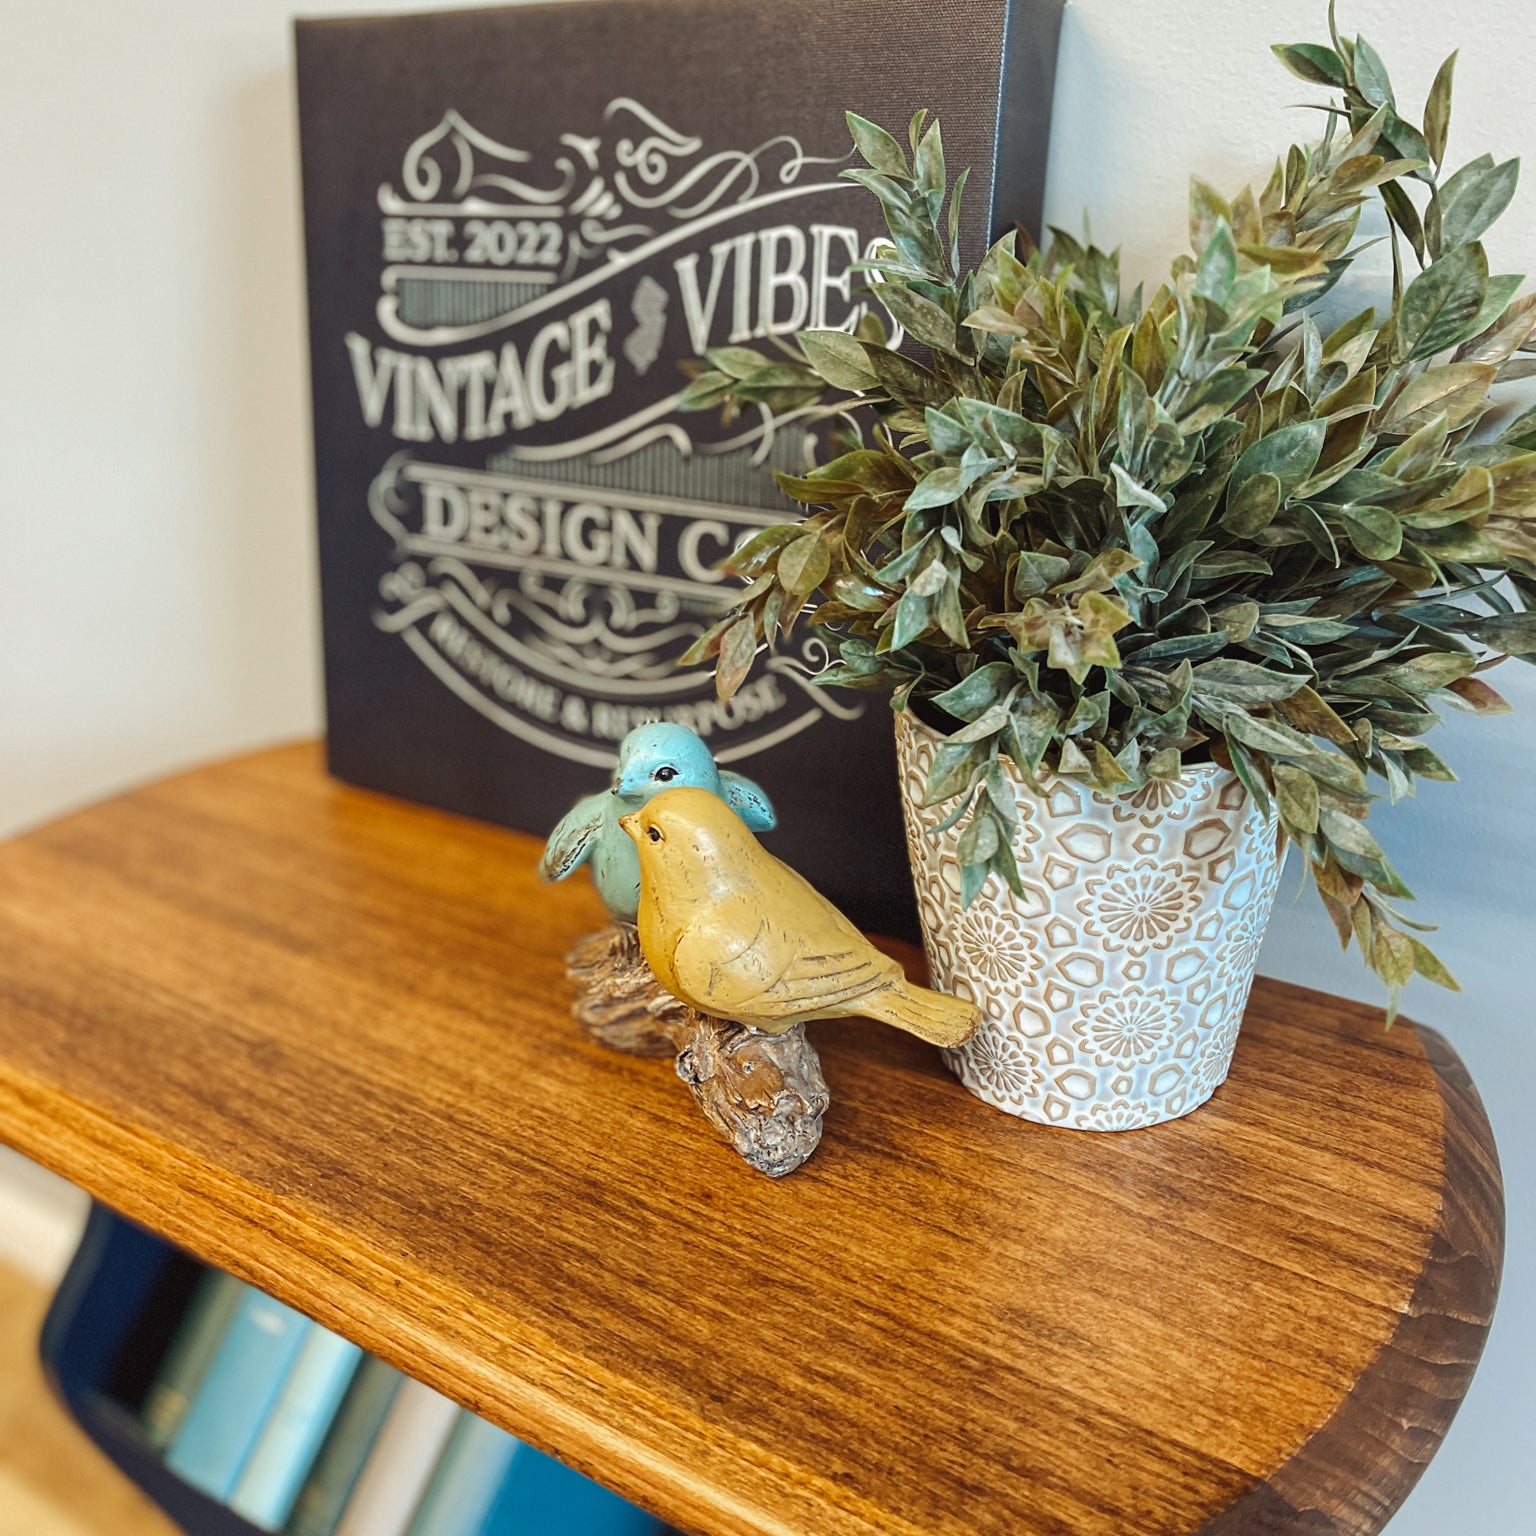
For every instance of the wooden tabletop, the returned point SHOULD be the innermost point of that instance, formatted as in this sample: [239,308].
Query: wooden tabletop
[318,1037]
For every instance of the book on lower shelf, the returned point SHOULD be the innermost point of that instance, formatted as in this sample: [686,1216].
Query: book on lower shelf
[466,1481]
[237,1393]
[345,1450]
[290,1440]
[401,1464]
[213,1308]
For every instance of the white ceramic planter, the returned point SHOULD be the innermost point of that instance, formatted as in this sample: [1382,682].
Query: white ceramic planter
[1112,991]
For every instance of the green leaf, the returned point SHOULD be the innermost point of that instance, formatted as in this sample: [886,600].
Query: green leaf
[1129,493]
[928,162]
[708,389]
[1038,573]
[953,765]
[973,696]
[1290,455]
[938,488]
[1297,793]
[1101,573]
[1296,790]
[1437,111]
[1454,392]
[1512,633]
[1374,531]
[1429,965]
[1371,75]
[920,317]
[1244,682]
[1217,269]
[737,362]
[946,436]
[1031,726]
[751,558]
[803,565]
[1354,847]
[914,617]
[877,147]
[1308,61]
[906,382]
[838,358]
[1442,303]
[1392,959]
[736,652]
[978,842]
[1471,200]
[1252,507]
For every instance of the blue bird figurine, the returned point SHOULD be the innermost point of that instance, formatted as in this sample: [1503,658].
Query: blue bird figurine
[653,758]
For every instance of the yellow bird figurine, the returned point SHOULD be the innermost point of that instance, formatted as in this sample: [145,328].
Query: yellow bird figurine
[732,932]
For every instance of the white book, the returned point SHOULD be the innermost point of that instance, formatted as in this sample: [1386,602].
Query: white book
[401,1463]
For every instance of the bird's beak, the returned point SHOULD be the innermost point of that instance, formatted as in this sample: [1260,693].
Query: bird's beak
[631,824]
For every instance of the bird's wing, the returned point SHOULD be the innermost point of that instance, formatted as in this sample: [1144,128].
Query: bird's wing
[756,972]
[570,844]
[747,800]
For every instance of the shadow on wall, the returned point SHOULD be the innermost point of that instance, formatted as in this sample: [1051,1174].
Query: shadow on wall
[266,495]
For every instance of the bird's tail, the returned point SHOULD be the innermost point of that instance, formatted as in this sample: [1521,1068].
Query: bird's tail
[932,1016]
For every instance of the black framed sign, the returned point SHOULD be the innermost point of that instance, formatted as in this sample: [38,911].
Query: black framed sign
[519,221]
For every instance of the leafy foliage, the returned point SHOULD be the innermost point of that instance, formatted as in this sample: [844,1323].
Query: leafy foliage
[1108,537]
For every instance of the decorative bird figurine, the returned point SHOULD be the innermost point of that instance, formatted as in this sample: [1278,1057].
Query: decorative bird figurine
[653,758]
[733,932]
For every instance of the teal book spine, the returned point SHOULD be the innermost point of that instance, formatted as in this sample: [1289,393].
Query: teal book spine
[466,1481]
[541,1497]
[317,1511]
[237,1393]
[203,1326]
[290,1440]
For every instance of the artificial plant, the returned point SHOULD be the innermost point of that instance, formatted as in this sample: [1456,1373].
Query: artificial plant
[1109,537]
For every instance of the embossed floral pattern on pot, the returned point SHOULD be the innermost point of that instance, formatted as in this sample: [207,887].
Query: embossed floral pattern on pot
[996,951]
[1140,908]
[1130,1025]
[1112,988]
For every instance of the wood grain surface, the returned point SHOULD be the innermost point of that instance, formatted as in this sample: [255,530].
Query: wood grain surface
[319,1037]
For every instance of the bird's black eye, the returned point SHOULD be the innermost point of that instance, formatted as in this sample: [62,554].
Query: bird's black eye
[654,833]
[666,773]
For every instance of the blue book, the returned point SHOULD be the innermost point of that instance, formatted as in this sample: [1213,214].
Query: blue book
[186,1362]
[467,1479]
[340,1462]
[242,1382]
[289,1442]
[540,1497]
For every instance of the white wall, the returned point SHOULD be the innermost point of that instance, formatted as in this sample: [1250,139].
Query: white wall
[157,584]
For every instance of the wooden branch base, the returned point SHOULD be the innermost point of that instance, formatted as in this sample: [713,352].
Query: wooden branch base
[764,1093]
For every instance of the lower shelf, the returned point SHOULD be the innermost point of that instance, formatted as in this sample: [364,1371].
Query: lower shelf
[119,1276]
[127,1298]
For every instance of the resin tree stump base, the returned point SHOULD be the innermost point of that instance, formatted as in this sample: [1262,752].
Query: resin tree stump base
[764,1093]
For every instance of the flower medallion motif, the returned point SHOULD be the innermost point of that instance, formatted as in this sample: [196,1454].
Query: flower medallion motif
[1239,953]
[1001,1065]
[1160,800]
[1116,1115]
[1214,1061]
[1128,1026]
[1140,907]
[995,947]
